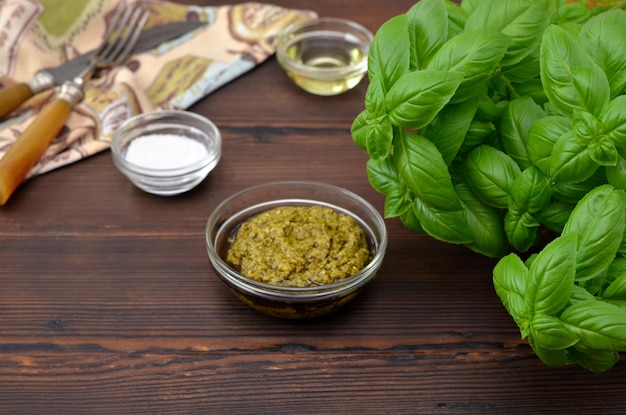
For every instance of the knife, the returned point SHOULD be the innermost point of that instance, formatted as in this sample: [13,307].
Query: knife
[14,95]
[35,139]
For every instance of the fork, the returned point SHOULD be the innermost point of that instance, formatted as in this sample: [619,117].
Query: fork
[118,41]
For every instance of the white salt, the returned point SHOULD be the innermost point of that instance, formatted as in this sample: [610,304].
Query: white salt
[164,151]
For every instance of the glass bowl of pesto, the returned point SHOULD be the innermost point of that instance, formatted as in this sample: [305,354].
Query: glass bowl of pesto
[302,247]
[166,152]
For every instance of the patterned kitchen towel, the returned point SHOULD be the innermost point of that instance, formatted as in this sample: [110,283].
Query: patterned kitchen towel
[36,34]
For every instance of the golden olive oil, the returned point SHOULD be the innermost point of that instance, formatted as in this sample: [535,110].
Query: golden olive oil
[332,58]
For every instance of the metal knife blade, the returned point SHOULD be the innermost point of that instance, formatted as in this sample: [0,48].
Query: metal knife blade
[13,96]
[149,39]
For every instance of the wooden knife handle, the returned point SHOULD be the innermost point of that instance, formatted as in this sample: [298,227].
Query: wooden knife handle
[31,145]
[13,96]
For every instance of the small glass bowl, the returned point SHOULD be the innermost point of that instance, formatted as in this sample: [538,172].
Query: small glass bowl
[291,302]
[324,56]
[192,149]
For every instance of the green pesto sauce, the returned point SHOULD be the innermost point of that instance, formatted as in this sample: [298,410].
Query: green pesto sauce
[299,246]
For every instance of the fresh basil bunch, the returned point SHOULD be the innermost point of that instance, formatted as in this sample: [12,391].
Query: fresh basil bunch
[569,300]
[488,120]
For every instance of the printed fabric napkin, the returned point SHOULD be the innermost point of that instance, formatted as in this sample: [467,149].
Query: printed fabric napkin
[36,34]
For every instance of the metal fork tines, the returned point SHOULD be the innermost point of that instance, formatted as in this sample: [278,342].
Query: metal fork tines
[119,40]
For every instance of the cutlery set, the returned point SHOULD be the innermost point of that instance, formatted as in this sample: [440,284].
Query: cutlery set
[124,37]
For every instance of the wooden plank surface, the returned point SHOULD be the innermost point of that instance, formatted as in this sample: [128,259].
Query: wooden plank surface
[108,303]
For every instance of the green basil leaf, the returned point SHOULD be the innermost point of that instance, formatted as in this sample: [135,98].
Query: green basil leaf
[485,223]
[509,280]
[616,175]
[603,152]
[570,162]
[573,192]
[555,215]
[359,129]
[498,87]
[622,247]
[522,20]
[597,361]
[542,136]
[600,325]
[375,98]
[572,12]
[384,178]
[526,70]
[424,172]
[549,332]
[379,138]
[489,109]
[532,88]
[397,202]
[382,175]
[448,129]
[528,220]
[530,191]
[598,220]
[410,221]
[531,258]
[616,289]
[470,5]
[551,276]
[522,230]
[428,30]
[604,38]
[457,17]
[490,174]
[618,303]
[517,119]
[479,132]
[445,225]
[614,122]
[594,286]
[580,294]
[571,79]
[549,357]
[586,127]
[416,98]
[474,55]
[387,57]
[616,269]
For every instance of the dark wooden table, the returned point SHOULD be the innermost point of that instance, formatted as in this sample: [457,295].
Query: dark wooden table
[108,303]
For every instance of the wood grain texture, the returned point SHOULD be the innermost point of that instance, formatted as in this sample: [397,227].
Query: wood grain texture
[108,303]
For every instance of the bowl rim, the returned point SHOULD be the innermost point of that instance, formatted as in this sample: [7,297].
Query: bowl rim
[348,283]
[170,172]
[321,72]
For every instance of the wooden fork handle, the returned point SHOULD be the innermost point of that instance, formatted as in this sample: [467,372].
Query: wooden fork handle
[31,145]
[13,96]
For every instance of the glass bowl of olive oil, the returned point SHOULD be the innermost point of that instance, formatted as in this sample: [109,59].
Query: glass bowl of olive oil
[324,56]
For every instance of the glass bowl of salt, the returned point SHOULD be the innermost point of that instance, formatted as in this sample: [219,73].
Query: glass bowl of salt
[166,152]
